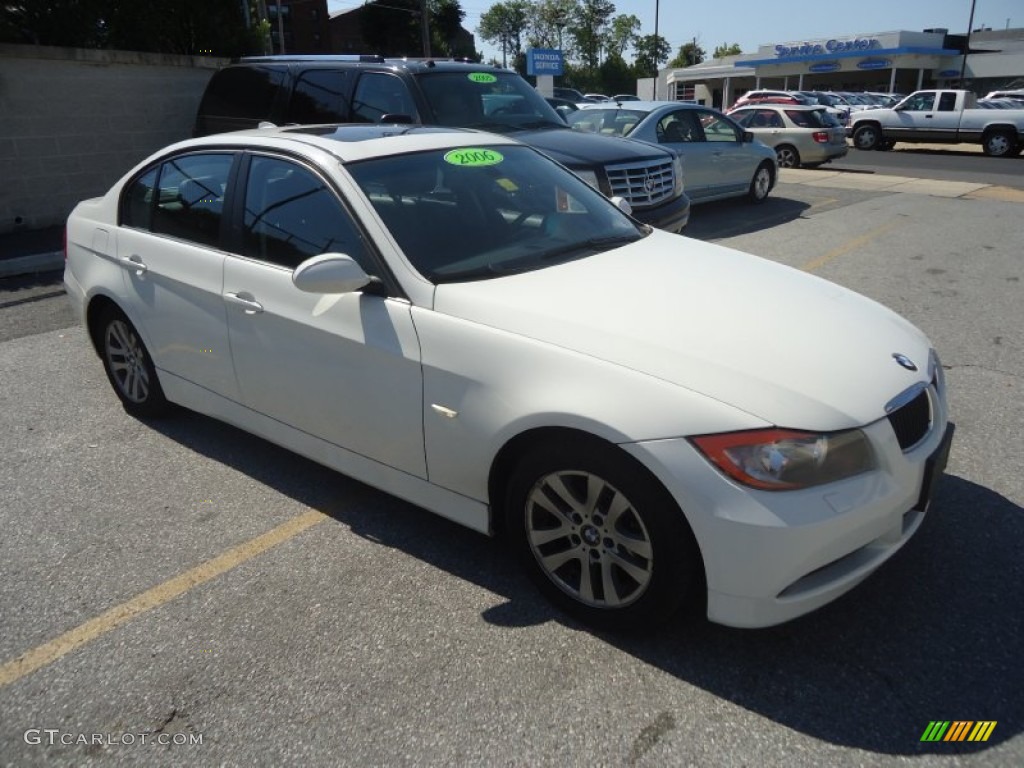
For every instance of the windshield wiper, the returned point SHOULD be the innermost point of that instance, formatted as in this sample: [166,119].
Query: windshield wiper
[593,244]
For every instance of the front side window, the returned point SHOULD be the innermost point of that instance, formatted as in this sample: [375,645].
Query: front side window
[479,212]
[378,95]
[190,197]
[291,214]
[921,102]
[717,128]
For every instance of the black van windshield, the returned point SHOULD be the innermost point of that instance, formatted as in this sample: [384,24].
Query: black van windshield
[493,101]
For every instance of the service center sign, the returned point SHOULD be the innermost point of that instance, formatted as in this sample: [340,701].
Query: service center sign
[544,61]
[831,46]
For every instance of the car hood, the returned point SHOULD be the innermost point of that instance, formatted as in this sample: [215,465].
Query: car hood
[785,346]
[575,149]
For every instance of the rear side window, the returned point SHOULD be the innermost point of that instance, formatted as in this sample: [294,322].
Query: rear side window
[190,197]
[137,203]
[319,97]
[242,92]
[947,102]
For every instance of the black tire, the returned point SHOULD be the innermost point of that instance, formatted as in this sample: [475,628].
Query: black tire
[787,156]
[867,137]
[599,536]
[128,365]
[761,184]
[885,145]
[999,144]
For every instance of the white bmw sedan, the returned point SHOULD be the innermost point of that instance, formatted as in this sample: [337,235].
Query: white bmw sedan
[454,318]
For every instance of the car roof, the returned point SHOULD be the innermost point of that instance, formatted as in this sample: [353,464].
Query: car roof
[352,142]
[787,107]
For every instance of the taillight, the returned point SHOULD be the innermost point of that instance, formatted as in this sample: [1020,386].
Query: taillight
[64,243]
[821,137]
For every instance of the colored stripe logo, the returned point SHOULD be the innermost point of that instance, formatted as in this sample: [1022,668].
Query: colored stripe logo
[958,730]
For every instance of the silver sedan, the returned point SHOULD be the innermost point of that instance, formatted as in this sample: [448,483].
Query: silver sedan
[720,158]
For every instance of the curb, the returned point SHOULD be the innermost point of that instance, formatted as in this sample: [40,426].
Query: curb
[27,265]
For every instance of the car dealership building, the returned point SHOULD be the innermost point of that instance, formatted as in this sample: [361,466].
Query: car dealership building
[894,62]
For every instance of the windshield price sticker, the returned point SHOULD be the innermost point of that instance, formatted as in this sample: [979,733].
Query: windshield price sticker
[482,77]
[473,156]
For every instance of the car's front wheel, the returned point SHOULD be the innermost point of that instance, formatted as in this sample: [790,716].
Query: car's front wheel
[128,365]
[867,137]
[599,535]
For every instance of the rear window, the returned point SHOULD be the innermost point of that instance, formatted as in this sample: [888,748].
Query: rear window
[242,92]
[812,118]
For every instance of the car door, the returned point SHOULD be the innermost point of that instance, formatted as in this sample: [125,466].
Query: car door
[342,367]
[169,243]
[916,116]
[734,162]
[681,131]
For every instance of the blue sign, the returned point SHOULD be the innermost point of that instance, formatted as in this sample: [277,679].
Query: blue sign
[544,61]
[825,66]
[949,73]
[874,64]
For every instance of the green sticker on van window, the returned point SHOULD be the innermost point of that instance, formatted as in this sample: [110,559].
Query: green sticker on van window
[482,77]
[473,156]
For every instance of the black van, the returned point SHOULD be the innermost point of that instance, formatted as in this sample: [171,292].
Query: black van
[371,89]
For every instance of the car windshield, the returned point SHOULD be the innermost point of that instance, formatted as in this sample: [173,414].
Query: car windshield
[607,122]
[492,101]
[480,212]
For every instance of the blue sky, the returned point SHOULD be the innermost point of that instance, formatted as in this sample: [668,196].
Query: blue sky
[753,23]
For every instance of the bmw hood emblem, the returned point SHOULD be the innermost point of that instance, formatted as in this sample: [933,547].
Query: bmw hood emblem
[905,361]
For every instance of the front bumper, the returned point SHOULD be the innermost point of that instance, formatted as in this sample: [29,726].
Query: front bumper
[672,216]
[773,556]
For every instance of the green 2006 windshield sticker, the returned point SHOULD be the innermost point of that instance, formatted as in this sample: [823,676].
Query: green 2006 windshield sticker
[473,156]
[482,77]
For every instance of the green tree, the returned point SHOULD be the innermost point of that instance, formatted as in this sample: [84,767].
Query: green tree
[448,38]
[689,54]
[622,35]
[726,50]
[392,27]
[588,30]
[549,21]
[505,25]
[651,50]
[616,75]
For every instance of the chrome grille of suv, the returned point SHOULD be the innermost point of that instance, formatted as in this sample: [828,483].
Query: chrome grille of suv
[642,184]
[912,422]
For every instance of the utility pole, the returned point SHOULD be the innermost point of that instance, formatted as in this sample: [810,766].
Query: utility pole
[425,28]
[280,28]
[967,47]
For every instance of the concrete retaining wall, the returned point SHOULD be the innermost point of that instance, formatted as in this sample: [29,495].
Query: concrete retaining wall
[73,121]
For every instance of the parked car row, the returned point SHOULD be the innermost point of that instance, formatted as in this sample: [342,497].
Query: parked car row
[838,103]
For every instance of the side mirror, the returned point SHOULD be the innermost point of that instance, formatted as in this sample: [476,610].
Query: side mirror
[748,136]
[330,273]
[623,205]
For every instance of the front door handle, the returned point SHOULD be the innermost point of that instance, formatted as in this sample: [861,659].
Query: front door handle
[134,263]
[245,300]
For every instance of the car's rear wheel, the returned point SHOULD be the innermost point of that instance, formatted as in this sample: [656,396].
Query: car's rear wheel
[787,156]
[999,144]
[599,536]
[761,184]
[128,365]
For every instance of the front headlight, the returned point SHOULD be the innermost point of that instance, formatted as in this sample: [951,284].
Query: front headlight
[785,460]
[677,169]
[591,178]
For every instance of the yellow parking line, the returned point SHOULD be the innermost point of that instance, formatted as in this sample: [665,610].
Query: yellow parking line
[48,653]
[852,245]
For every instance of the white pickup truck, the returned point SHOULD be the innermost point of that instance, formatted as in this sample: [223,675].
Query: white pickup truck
[940,117]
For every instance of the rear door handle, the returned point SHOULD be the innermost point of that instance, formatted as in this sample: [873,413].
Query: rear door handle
[134,263]
[245,300]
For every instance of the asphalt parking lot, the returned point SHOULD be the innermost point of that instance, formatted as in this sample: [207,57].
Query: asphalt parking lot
[181,593]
